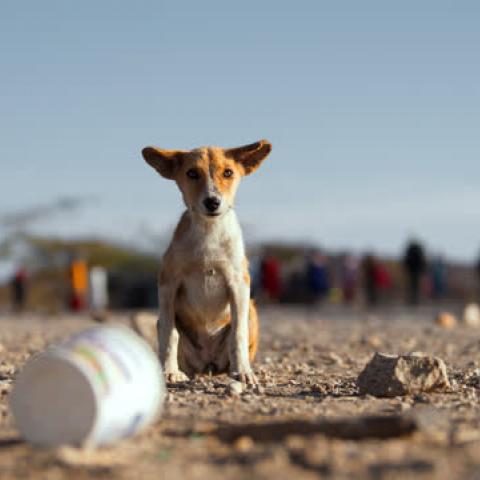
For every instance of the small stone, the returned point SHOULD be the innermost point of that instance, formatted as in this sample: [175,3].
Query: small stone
[258,389]
[373,341]
[276,345]
[235,388]
[392,376]
[100,316]
[6,371]
[471,315]
[335,359]
[243,444]
[5,387]
[318,388]
[295,443]
[446,320]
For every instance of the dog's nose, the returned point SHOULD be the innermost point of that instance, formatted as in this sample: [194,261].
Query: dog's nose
[211,203]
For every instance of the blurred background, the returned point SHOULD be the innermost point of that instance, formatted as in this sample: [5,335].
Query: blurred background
[368,199]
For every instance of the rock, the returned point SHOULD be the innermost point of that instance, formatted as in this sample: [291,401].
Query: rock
[319,388]
[235,388]
[7,371]
[295,443]
[243,444]
[373,341]
[331,358]
[259,390]
[100,316]
[446,320]
[471,315]
[336,359]
[392,376]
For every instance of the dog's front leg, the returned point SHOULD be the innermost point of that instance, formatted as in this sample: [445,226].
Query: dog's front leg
[168,335]
[240,368]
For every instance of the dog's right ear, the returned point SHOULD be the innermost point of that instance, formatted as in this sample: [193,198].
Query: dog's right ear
[165,162]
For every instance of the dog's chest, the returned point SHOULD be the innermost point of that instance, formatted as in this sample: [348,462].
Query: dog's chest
[206,293]
[212,256]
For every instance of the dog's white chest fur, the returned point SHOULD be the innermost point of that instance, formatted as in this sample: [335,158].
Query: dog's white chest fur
[206,293]
[214,248]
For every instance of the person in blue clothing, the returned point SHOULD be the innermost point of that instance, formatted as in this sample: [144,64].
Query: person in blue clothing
[318,281]
[438,277]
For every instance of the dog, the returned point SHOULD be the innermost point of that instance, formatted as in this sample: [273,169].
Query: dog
[207,322]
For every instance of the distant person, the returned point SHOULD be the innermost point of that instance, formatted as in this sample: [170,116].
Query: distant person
[438,277]
[271,278]
[98,283]
[79,284]
[383,279]
[255,270]
[317,276]
[19,288]
[370,279]
[415,265]
[349,278]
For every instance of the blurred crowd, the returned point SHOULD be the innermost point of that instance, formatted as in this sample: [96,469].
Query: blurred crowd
[86,287]
[308,276]
[353,279]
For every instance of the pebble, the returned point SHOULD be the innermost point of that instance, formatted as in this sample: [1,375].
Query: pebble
[446,320]
[235,388]
[258,389]
[243,444]
[471,315]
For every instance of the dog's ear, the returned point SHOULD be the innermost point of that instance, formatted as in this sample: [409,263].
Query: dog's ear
[250,156]
[165,162]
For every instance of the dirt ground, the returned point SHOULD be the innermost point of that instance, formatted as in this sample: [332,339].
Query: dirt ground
[306,420]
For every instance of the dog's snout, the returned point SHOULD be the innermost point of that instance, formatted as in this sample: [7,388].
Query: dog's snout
[211,203]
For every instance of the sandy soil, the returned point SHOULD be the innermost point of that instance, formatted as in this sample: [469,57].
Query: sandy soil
[312,417]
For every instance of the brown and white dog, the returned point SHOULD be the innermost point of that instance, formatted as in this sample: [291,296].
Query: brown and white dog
[207,322]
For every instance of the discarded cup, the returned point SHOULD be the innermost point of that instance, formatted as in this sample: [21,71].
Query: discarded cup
[102,384]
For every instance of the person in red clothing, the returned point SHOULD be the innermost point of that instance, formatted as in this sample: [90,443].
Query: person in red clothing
[382,277]
[377,280]
[19,288]
[271,280]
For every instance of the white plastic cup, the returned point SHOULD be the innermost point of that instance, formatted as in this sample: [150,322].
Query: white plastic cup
[102,384]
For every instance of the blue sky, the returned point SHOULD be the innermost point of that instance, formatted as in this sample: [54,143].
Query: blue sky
[373,109]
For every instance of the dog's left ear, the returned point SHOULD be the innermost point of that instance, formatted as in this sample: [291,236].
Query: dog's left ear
[250,156]
[165,162]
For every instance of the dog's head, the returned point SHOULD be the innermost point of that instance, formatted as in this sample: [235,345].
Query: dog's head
[208,177]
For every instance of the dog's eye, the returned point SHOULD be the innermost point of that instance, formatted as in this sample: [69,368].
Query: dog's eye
[193,174]
[228,173]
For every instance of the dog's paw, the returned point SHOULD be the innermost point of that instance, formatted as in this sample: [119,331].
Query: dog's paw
[176,377]
[247,377]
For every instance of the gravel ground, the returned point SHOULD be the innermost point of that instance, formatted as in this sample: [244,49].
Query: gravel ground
[313,422]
